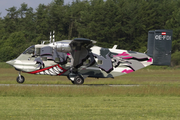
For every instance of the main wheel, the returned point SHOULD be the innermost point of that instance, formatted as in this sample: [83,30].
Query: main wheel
[78,80]
[20,79]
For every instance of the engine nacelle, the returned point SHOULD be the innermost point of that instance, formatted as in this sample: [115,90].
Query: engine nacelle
[63,47]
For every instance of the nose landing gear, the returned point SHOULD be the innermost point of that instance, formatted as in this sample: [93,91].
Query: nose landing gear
[20,78]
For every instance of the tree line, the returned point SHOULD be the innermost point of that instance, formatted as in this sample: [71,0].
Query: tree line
[122,22]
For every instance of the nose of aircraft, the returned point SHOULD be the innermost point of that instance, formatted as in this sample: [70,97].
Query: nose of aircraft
[11,62]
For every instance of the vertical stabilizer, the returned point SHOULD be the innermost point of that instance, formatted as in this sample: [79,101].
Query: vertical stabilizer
[159,46]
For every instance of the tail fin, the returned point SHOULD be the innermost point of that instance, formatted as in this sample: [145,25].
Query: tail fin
[159,46]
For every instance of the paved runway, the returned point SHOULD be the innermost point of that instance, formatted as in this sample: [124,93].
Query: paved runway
[66,85]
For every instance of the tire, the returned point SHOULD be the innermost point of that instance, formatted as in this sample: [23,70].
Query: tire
[20,79]
[78,80]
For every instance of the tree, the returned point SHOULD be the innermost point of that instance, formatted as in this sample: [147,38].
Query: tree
[122,22]
[10,20]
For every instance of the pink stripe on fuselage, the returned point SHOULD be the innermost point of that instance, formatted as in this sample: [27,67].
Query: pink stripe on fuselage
[127,71]
[150,60]
[122,54]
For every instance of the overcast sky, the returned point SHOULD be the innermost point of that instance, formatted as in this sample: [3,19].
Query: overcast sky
[5,4]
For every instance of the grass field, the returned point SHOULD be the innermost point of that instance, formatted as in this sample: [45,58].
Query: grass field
[90,108]
[157,97]
[142,77]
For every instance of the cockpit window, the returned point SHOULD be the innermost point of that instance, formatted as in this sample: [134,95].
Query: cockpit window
[30,50]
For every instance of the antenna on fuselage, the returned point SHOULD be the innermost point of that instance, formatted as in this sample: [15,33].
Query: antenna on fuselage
[53,37]
[50,37]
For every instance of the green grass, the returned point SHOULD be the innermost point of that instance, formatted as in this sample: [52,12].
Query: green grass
[89,108]
[5,65]
[89,102]
[142,77]
[157,97]
[89,91]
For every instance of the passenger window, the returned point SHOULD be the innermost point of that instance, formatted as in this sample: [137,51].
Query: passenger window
[99,62]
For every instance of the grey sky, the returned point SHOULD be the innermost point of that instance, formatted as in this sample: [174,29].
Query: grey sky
[5,4]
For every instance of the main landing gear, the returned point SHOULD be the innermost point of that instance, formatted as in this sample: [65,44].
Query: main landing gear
[20,78]
[76,78]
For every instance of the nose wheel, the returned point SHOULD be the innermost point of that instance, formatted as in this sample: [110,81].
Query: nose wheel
[20,78]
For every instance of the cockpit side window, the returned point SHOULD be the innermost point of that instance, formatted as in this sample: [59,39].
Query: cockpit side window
[30,50]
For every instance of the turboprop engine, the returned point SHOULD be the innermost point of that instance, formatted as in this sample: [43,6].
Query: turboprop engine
[63,47]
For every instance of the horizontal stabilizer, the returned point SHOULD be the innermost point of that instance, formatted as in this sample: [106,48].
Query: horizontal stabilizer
[114,47]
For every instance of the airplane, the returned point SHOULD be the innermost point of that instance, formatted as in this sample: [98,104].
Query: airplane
[80,58]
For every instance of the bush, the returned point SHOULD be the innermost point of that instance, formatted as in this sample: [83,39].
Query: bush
[175,58]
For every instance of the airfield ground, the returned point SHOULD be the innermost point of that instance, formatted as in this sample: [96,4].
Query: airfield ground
[156,96]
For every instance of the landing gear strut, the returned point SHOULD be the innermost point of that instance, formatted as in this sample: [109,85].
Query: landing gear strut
[20,78]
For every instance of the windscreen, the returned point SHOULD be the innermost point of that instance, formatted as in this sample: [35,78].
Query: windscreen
[30,50]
